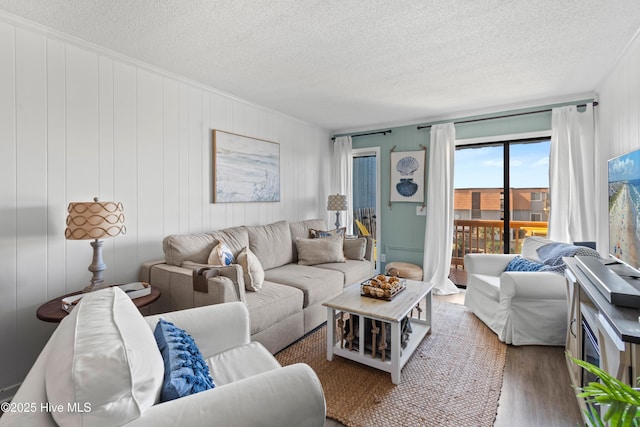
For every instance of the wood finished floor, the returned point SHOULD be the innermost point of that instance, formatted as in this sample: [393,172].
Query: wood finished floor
[536,391]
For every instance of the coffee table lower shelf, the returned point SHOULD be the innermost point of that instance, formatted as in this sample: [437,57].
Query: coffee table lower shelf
[418,294]
[398,359]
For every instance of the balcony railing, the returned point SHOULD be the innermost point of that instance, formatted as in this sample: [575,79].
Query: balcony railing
[485,236]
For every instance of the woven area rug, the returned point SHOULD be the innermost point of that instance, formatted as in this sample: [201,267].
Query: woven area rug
[454,377]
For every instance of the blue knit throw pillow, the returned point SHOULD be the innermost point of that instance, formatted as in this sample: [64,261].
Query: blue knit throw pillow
[522,264]
[185,371]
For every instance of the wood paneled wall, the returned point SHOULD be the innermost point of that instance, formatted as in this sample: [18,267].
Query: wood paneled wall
[78,121]
[618,122]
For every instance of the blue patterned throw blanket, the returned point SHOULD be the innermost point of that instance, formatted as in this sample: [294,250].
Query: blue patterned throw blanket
[552,254]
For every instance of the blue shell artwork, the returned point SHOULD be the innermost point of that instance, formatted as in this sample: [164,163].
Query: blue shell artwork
[407,165]
[406,187]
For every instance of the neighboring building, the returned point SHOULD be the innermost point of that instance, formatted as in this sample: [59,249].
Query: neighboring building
[527,204]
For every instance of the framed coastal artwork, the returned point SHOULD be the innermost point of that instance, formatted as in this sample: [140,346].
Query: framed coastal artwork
[407,176]
[245,169]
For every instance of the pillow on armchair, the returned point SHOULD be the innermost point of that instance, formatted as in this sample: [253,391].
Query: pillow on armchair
[519,263]
[549,253]
[552,253]
[185,370]
[530,247]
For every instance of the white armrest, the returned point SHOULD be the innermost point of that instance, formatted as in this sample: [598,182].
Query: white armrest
[289,396]
[533,285]
[489,264]
[215,328]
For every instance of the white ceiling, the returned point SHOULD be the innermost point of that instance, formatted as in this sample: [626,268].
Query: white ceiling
[355,64]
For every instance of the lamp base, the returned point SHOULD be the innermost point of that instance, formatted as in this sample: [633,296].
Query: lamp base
[94,287]
[337,219]
[97,267]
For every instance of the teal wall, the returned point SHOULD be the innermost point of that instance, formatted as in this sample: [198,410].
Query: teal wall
[402,231]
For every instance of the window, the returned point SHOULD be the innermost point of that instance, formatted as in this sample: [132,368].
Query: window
[536,196]
[475,205]
[535,216]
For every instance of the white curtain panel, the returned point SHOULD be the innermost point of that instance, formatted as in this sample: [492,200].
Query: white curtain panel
[342,178]
[572,169]
[439,231]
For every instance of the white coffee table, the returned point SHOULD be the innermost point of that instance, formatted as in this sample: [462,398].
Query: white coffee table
[350,301]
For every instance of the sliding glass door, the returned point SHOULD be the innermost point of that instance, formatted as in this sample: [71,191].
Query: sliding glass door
[488,218]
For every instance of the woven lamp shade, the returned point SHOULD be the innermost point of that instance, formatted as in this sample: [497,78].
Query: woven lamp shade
[337,202]
[94,220]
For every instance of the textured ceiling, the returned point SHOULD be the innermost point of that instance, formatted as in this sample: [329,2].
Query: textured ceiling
[354,64]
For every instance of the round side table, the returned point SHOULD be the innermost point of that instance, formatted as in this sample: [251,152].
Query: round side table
[51,311]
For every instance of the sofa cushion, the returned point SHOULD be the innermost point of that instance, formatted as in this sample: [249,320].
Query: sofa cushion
[353,271]
[185,371]
[319,251]
[274,303]
[271,244]
[301,229]
[241,362]
[252,270]
[221,255]
[104,354]
[317,284]
[187,247]
[355,248]
[236,238]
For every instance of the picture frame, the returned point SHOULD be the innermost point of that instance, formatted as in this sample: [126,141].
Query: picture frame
[245,169]
[407,176]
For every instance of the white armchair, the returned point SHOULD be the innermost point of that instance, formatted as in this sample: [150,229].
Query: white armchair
[251,387]
[521,307]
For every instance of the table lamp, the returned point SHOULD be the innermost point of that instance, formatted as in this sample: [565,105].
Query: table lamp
[95,220]
[337,203]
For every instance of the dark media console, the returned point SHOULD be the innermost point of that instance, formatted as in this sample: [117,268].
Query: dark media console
[618,290]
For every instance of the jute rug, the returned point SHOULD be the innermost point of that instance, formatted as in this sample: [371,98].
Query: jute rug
[454,377]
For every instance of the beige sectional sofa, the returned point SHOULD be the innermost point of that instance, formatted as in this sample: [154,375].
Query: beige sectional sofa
[289,303]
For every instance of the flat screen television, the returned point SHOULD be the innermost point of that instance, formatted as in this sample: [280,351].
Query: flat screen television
[624,208]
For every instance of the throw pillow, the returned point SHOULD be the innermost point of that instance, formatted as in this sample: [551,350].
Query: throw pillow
[355,248]
[320,251]
[317,234]
[530,247]
[252,270]
[522,264]
[220,255]
[185,371]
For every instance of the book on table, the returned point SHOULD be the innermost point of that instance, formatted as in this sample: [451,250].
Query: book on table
[133,290]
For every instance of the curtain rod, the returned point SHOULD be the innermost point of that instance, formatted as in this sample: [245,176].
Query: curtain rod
[595,103]
[384,132]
